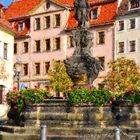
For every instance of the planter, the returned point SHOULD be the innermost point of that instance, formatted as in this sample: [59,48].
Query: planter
[16,116]
[118,108]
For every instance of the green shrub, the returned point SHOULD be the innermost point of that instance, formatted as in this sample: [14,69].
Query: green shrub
[102,97]
[19,98]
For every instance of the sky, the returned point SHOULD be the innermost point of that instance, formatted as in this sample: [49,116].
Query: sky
[6,2]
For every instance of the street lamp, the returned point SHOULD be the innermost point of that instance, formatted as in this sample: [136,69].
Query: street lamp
[18,72]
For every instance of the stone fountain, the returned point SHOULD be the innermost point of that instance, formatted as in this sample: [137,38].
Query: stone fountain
[81,63]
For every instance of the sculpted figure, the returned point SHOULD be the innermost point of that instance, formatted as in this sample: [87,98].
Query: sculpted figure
[81,9]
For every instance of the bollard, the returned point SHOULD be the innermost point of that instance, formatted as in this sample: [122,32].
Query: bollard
[117,134]
[43,132]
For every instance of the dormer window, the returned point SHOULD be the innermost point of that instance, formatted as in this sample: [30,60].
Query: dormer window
[94,14]
[134,4]
[20,26]
[47,5]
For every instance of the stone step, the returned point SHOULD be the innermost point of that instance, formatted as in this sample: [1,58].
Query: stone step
[56,116]
[94,136]
[12,136]
[7,136]
[20,130]
[57,123]
[50,105]
[62,133]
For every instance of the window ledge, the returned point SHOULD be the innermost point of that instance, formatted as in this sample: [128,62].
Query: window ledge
[37,52]
[47,51]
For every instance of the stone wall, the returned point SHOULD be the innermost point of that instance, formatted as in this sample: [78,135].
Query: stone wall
[102,117]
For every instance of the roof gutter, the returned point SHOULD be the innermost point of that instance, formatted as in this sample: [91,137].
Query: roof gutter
[8,30]
[94,25]
[102,2]
[18,18]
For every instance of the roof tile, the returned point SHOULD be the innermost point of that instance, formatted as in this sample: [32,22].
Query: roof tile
[7,25]
[20,8]
[107,14]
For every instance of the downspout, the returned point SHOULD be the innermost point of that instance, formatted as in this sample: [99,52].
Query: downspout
[113,43]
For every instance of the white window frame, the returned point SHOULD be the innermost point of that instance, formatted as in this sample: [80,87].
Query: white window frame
[19,27]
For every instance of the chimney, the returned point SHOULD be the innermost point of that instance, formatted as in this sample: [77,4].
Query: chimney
[1,10]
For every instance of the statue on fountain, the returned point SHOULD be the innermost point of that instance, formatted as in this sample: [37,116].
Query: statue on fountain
[81,62]
[81,10]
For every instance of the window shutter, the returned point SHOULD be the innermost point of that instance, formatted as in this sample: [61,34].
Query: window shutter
[54,44]
[34,25]
[1,50]
[60,44]
[44,22]
[128,24]
[68,41]
[44,45]
[97,38]
[34,47]
[54,21]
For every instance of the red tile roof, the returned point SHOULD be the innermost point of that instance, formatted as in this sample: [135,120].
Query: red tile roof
[20,8]
[107,13]
[5,24]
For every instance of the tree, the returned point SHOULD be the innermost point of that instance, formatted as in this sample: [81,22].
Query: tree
[59,77]
[123,74]
[3,74]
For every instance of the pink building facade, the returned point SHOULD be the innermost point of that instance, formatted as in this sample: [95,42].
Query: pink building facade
[48,38]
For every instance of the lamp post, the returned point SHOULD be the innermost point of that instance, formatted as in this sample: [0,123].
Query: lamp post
[18,72]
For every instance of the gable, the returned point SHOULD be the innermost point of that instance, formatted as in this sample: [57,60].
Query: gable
[46,7]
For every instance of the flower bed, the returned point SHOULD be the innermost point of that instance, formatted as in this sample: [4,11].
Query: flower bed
[19,98]
[102,97]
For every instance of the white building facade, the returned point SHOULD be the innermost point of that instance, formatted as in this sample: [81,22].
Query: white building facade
[127,31]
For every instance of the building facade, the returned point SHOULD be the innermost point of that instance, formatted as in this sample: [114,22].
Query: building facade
[45,35]
[127,30]
[7,34]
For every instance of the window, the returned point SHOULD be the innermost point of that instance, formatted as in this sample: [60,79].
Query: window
[47,66]
[70,45]
[132,46]
[134,4]
[25,69]
[37,24]
[47,5]
[57,43]
[15,48]
[47,22]
[48,45]
[1,93]
[121,25]
[94,14]
[57,20]
[132,23]
[5,50]
[20,26]
[37,68]
[25,47]
[121,47]
[101,37]
[102,62]
[37,46]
